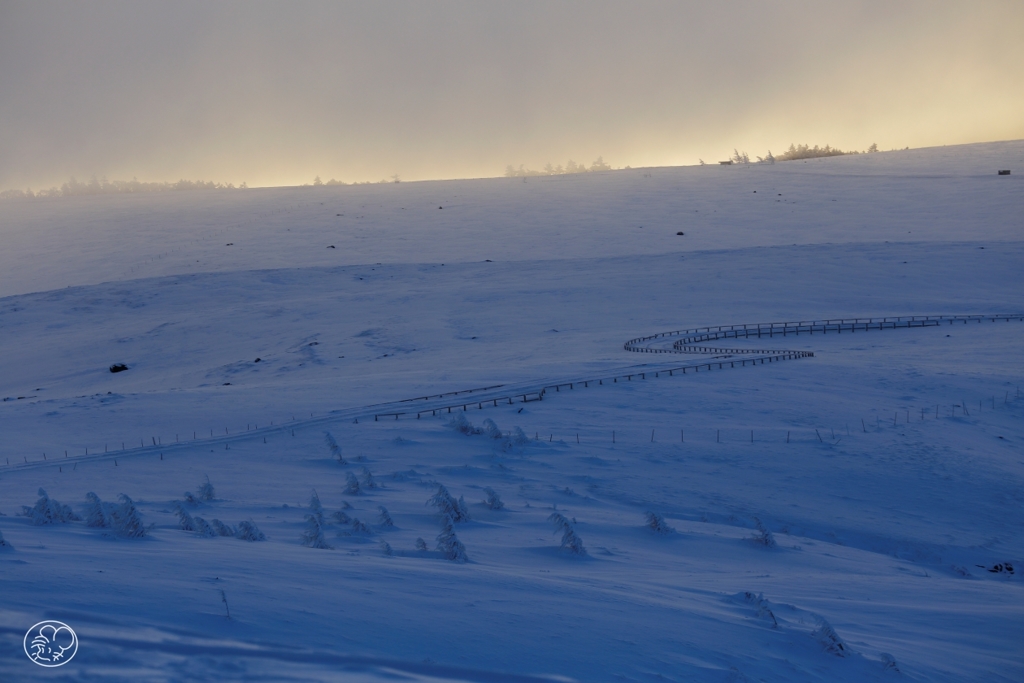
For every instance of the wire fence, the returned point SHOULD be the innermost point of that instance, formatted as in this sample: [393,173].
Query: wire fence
[502,394]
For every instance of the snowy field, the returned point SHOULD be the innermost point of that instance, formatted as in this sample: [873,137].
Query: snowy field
[852,516]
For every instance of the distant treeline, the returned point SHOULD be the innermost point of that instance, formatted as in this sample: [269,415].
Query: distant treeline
[570,167]
[794,153]
[73,188]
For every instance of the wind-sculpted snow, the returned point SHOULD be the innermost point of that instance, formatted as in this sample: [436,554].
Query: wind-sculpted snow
[451,467]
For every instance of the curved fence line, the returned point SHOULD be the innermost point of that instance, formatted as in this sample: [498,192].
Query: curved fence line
[683,342]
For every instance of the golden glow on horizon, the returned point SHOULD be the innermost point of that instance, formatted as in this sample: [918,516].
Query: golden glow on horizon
[460,90]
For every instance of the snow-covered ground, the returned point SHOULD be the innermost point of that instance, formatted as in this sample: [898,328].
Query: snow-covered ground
[888,467]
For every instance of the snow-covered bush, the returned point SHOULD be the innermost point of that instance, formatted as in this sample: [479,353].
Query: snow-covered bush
[449,545]
[4,545]
[765,538]
[385,517]
[491,429]
[203,527]
[762,606]
[340,517]
[493,500]
[359,527]
[315,508]
[888,661]
[206,491]
[96,514]
[830,640]
[334,448]
[126,520]
[351,484]
[519,438]
[421,545]
[190,498]
[570,541]
[385,548]
[313,536]
[222,529]
[48,511]
[460,424]
[185,520]
[448,506]
[368,481]
[657,523]
[248,531]
[123,518]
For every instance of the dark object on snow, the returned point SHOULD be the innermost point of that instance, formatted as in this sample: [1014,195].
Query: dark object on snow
[331,247]
[118,367]
[257,360]
[440,207]
[725,163]
[1006,172]
[680,233]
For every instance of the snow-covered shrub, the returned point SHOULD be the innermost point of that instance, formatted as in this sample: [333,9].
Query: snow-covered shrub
[96,511]
[889,662]
[762,606]
[385,548]
[48,511]
[491,429]
[190,498]
[313,536]
[333,446]
[203,527]
[519,437]
[570,541]
[460,424]
[368,481]
[126,520]
[316,509]
[221,528]
[830,640]
[345,505]
[448,506]
[4,545]
[766,538]
[340,517]
[359,527]
[185,520]
[385,517]
[206,491]
[351,484]
[493,500]
[421,545]
[657,523]
[248,531]
[448,543]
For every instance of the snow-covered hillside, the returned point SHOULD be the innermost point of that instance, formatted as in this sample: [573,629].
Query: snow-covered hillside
[886,470]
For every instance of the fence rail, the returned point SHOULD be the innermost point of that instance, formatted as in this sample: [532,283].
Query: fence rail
[687,338]
[683,341]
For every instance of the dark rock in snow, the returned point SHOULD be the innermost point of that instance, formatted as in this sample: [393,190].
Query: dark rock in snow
[118,367]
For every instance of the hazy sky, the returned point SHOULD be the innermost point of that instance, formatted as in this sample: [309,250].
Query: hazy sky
[275,93]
